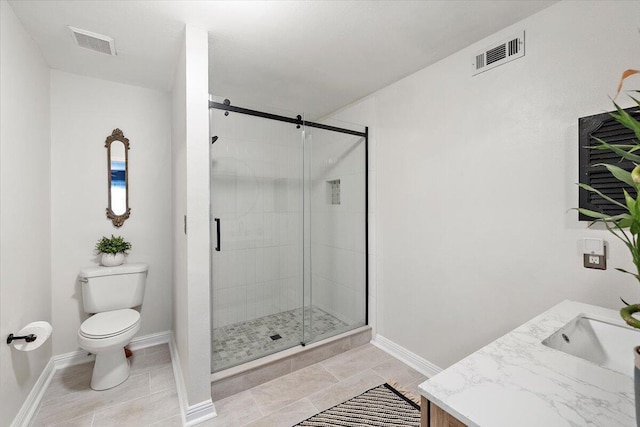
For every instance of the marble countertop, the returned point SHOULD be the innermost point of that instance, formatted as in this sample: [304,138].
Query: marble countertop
[518,381]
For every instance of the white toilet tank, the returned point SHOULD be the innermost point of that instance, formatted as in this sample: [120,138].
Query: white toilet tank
[113,288]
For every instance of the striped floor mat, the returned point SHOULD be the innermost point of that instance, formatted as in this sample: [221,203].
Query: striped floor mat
[381,406]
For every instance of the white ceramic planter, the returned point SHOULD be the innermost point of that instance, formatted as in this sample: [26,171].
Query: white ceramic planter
[111,260]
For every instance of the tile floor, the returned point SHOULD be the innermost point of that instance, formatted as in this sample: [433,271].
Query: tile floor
[148,397]
[245,341]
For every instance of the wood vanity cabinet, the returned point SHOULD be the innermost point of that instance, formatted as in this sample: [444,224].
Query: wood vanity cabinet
[431,415]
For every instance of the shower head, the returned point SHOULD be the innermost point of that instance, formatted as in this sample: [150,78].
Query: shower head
[214,139]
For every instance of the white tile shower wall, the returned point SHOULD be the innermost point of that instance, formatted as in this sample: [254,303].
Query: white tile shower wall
[337,230]
[256,192]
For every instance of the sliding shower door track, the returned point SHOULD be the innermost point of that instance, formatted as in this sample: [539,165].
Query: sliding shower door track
[294,120]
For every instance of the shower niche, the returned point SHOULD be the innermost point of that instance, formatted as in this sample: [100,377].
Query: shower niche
[289,200]
[333,192]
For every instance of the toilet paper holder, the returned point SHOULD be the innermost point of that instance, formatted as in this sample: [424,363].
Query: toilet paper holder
[27,338]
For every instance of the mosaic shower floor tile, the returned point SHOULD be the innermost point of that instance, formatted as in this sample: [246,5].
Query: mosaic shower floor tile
[245,341]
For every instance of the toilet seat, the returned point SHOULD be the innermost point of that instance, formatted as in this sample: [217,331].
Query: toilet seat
[109,323]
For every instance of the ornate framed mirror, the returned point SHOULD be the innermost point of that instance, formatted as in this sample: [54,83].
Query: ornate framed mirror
[118,177]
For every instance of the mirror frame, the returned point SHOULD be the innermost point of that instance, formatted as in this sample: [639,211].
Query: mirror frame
[118,135]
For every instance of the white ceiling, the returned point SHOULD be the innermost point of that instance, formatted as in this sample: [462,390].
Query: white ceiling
[304,56]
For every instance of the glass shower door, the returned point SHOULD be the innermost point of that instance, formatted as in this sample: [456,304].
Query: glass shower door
[257,237]
[335,231]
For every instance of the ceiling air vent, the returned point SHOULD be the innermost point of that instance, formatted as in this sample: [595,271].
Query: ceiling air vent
[510,49]
[93,41]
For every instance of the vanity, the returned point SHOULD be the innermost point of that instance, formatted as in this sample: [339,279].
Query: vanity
[570,366]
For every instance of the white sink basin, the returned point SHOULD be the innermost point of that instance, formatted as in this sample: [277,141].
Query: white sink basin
[603,342]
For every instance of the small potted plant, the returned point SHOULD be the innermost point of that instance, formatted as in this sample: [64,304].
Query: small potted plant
[113,250]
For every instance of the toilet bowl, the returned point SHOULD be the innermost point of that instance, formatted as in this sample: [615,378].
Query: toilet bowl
[110,293]
[105,335]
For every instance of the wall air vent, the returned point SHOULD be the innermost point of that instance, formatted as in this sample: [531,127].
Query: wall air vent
[508,50]
[93,41]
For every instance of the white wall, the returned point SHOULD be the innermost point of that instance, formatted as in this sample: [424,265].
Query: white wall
[192,325]
[475,176]
[179,208]
[84,111]
[25,265]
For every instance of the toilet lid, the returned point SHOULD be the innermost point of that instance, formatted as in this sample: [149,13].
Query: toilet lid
[109,323]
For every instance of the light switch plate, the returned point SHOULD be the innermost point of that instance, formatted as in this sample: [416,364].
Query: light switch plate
[595,261]
[593,246]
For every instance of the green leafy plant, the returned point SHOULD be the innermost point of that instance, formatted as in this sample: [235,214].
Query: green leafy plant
[625,226]
[112,245]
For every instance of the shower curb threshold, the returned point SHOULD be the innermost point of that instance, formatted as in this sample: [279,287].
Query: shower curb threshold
[295,351]
[243,377]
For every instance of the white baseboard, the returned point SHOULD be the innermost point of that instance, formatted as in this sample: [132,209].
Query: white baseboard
[72,358]
[177,375]
[30,405]
[416,362]
[199,412]
[194,414]
[150,340]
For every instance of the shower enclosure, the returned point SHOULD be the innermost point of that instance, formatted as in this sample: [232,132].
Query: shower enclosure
[289,230]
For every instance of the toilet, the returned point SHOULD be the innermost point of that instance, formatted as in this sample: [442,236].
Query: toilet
[110,293]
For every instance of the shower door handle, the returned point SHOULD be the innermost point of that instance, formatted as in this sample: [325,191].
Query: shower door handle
[217,220]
